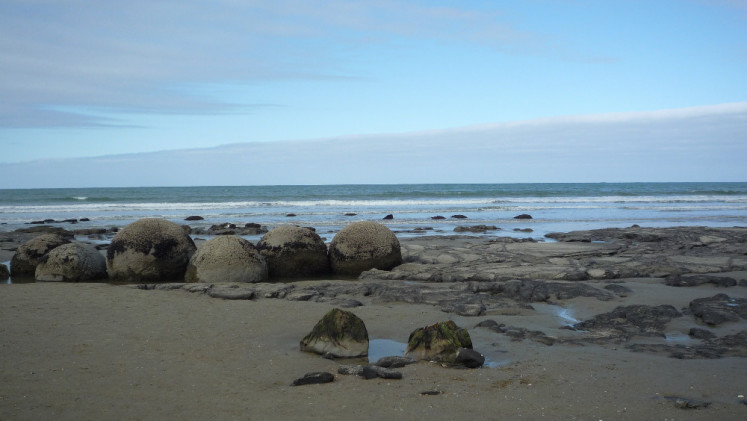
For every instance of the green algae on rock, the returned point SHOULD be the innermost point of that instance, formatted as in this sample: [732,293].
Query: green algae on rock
[339,333]
[438,342]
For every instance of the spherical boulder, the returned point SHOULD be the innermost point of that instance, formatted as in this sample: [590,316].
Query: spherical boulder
[72,262]
[226,258]
[149,250]
[30,254]
[364,245]
[292,251]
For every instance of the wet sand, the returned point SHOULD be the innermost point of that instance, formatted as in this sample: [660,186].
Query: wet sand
[99,351]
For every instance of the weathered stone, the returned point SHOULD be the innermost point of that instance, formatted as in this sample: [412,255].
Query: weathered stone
[374,371]
[362,246]
[719,309]
[624,322]
[339,333]
[476,228]
[523,216]
[314,378]
[149,250]
[350,370]
[394,361]
[72,262]
[292,251]
[438,342]
[4,272]
[678,280]
[32,252]
[194,218]
[698,333]
[226,258]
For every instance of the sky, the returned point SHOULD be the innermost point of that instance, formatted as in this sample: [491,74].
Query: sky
[241,92]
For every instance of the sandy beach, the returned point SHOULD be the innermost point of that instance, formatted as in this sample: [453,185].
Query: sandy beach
[101,351]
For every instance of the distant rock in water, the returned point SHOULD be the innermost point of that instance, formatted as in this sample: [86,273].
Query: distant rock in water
[458,216]
[228,228]
[476,228]
[339,333]
[194,218]
[390,216]
[350,214]
[438,217]
[523,216]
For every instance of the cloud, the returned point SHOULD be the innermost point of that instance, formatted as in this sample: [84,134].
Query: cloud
[692,144]
[82,57]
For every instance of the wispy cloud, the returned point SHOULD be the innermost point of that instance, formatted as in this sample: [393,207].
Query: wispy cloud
[695,144]
[143,56]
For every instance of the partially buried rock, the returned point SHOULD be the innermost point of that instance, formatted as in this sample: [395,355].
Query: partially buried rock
[374,371]
[149,250]
[31,253]
[338,334]
[292,252]
[438,342]
[362,246]
[719,309]
[73,262]
[314,378]
[226,258]
[469,358]
[4,272]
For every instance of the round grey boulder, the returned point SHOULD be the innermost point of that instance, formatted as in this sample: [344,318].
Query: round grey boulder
[73,262]
[149,250]
[30,254]
[293,252]
[364,245]
[227,258]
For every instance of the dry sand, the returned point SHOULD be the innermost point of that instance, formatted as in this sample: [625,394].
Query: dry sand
[99,351]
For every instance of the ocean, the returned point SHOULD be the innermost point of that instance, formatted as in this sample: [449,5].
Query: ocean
[553,206]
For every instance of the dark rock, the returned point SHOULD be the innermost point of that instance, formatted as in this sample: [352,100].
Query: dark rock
[438,217]
[678,280]
[458,216]
[350,214]
[476,228]
[84,220]
[390,216]
[465,309]
[523,216]
[314,378]
[70,221]
[438,342]
[340,333]
[523,230]
[4,272]
[194,218]
[228,228]
[719,309]
[430,393]
[624,322]
[687,403]
[394,361]
[290,215]
[374,371]
[469,358]
[698,333]
[619,290]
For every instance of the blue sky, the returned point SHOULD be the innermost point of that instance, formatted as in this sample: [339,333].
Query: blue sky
[83,79]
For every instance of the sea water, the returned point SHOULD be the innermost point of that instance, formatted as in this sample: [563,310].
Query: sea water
[554,207]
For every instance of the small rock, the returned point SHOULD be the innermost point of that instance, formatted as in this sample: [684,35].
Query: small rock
[469,358]
[290,215]
[523,216]
[458,216]
[350,214]
[314,378]
[374,371]
[194,218]
[438,217]
[430,393]
[350,370]
[394,362]
[698,333]
[390,216]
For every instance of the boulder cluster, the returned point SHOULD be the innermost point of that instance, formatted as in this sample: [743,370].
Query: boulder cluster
[155,250]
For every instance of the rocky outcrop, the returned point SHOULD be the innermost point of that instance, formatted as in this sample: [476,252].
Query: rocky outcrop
[364,245]
[719,309]
[292,252]
[149,250]
[226,258]
[32,252]
[228,228]
[338,334]
[624,322]
[72,262]
[476,228]
[438,342]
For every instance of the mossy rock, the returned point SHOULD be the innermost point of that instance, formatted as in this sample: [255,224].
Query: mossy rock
[362,246]
[292,252]
[149,250]
[438,342]
[73,262]
[32,252]
[226,258]
[339,333]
